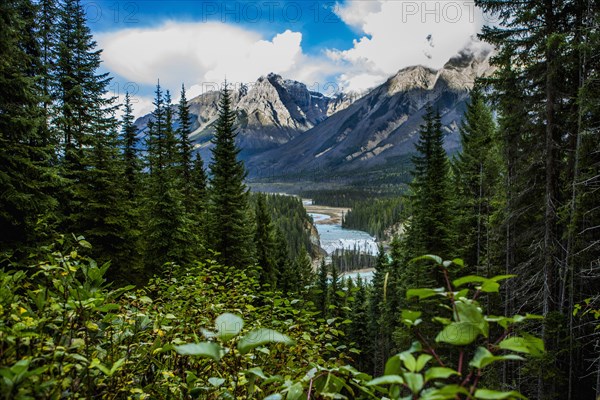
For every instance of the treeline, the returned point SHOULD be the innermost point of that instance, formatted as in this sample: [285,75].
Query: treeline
[69,165]
[339,197]
[346,260]
[291,219]
[375,216]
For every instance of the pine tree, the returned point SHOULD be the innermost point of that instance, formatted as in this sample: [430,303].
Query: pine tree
[323,292]
[542,66]
[231,229]
[377,298]
[129,142]
[264,243]
[197,203]
[304,270]
[109,218]
[169,234]
[26,174]
[430,227]
[358,331]
[476,171]
[82,107]
[185,145]
[286,280]
[336,294]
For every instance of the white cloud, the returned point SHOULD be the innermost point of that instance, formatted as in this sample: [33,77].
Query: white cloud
[402,33]
[199,54]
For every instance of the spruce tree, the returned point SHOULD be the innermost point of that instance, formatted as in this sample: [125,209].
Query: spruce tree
[26,174]
[108,221]
[358,331]
[379,343]
[129,143]
[303,268]
[476,172]
[82,107]
[168,231]
[322,301]
[197,203]
[430,228]
[264,243]
[336,294]
[185,144]
[231,228]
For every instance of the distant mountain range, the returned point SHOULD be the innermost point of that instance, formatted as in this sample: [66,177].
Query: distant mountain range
[285,128]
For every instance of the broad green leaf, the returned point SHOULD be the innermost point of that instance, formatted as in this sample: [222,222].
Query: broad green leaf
[261,337]
[411,315]
[228,326]
[422,361]
[490,286]
[487,394]
[527,344]
[458,333]
[410,363]
[446,392]
[257,371]
[468,279]
[459,262]
[275,396]
[204,349]
[216,382]
[393,365]
[295,391]
[386,380]
[501,277]
[439,373]
[428,257]
[423,293]
[470,312]
[414,381]
[514,343]
[483,358]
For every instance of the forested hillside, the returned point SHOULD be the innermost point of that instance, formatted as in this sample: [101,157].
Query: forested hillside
[130,270]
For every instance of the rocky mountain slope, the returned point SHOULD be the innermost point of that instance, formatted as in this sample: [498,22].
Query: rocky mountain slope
[382,125]
[270,112]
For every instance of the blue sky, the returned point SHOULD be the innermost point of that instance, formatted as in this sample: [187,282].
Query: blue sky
[349,45]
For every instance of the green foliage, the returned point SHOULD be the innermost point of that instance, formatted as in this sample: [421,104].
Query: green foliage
[408,373]
[66,334]
[376,216]
[476,172]
[429,230]
[230,231]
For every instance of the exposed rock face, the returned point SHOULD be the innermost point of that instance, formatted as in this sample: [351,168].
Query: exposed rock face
[383,124]
[285,128]
[270,112]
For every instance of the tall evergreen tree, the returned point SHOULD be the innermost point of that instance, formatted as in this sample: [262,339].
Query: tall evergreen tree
[169,235]
[322,301]
[197,203]
[81,107]
[379,347]
[129,143]
[25,169]
[231,230]
[185,144]
[476,172]
[358,331]
[304,269]
[264,243]
[429,231]
[542,62]
[336,294]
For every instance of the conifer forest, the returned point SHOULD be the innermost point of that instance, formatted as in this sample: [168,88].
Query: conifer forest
[145,264]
